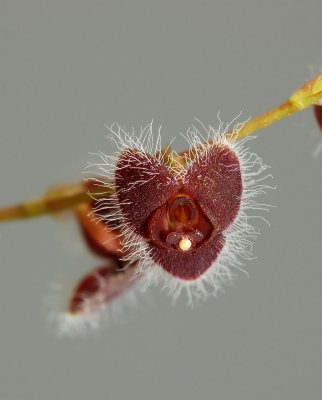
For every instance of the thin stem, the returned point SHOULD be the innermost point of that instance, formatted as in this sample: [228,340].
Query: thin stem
[262,121]
[57,199]
[310,93]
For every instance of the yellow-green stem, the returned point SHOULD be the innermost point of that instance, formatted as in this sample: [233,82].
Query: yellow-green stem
[54,201]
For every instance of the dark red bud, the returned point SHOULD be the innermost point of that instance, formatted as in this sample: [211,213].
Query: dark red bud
[318,115]
[101,286]
[101,240]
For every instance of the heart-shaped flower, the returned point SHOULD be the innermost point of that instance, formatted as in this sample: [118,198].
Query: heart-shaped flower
[182,218]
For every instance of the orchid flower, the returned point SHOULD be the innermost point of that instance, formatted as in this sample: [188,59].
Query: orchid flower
[154,215]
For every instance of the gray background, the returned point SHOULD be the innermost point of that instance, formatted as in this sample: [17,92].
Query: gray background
[69,67]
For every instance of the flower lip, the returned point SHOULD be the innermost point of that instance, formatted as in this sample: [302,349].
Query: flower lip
[179,224]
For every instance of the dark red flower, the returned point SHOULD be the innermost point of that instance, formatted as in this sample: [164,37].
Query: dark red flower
[179,220]
[183,218]
[182,222]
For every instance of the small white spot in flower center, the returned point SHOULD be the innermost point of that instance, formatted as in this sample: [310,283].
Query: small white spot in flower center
[184,244]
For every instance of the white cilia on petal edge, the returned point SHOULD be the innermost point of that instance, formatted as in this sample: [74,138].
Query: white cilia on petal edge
[187,224]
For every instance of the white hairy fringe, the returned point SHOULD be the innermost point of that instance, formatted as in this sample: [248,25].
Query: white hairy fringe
[239,236]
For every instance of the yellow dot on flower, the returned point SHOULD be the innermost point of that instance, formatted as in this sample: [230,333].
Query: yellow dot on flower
[184,244]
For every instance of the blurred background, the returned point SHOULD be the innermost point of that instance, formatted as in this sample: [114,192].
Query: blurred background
[68,68]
